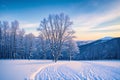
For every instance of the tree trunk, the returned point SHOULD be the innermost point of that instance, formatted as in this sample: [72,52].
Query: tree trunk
[70,57]
[55,59]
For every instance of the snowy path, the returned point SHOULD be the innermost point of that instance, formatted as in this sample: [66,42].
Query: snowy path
[84,70]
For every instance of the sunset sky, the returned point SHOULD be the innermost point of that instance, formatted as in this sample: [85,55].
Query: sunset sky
[92,19]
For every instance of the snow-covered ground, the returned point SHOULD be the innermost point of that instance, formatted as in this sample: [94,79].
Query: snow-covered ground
[62,70]
[19,69]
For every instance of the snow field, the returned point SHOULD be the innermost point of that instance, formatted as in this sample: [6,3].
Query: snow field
[19,69]
[62,70]
[81,70]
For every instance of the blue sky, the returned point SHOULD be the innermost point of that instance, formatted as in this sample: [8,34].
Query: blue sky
[92,19]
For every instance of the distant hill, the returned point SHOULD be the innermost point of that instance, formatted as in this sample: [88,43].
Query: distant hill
[105,48]
[80,43]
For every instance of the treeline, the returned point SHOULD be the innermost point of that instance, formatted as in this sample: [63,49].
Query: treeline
[59,43]
[13,41]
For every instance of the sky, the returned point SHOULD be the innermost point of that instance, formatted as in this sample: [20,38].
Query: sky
[92,19]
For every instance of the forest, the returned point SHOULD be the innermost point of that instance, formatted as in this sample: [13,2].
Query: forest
[55,40]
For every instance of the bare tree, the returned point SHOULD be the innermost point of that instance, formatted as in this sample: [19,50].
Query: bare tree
[72,48]
[0,39]
[5,28]
[29,45]
[15,26]
[31,37]
[43,46]
[21,43]
[56,29]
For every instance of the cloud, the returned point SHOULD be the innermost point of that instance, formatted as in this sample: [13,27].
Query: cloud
[98,24]
[36,33]
[112,28]
[29,25]
[90,21]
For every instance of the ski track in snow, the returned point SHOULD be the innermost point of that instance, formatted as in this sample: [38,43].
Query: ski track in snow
[84,70]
